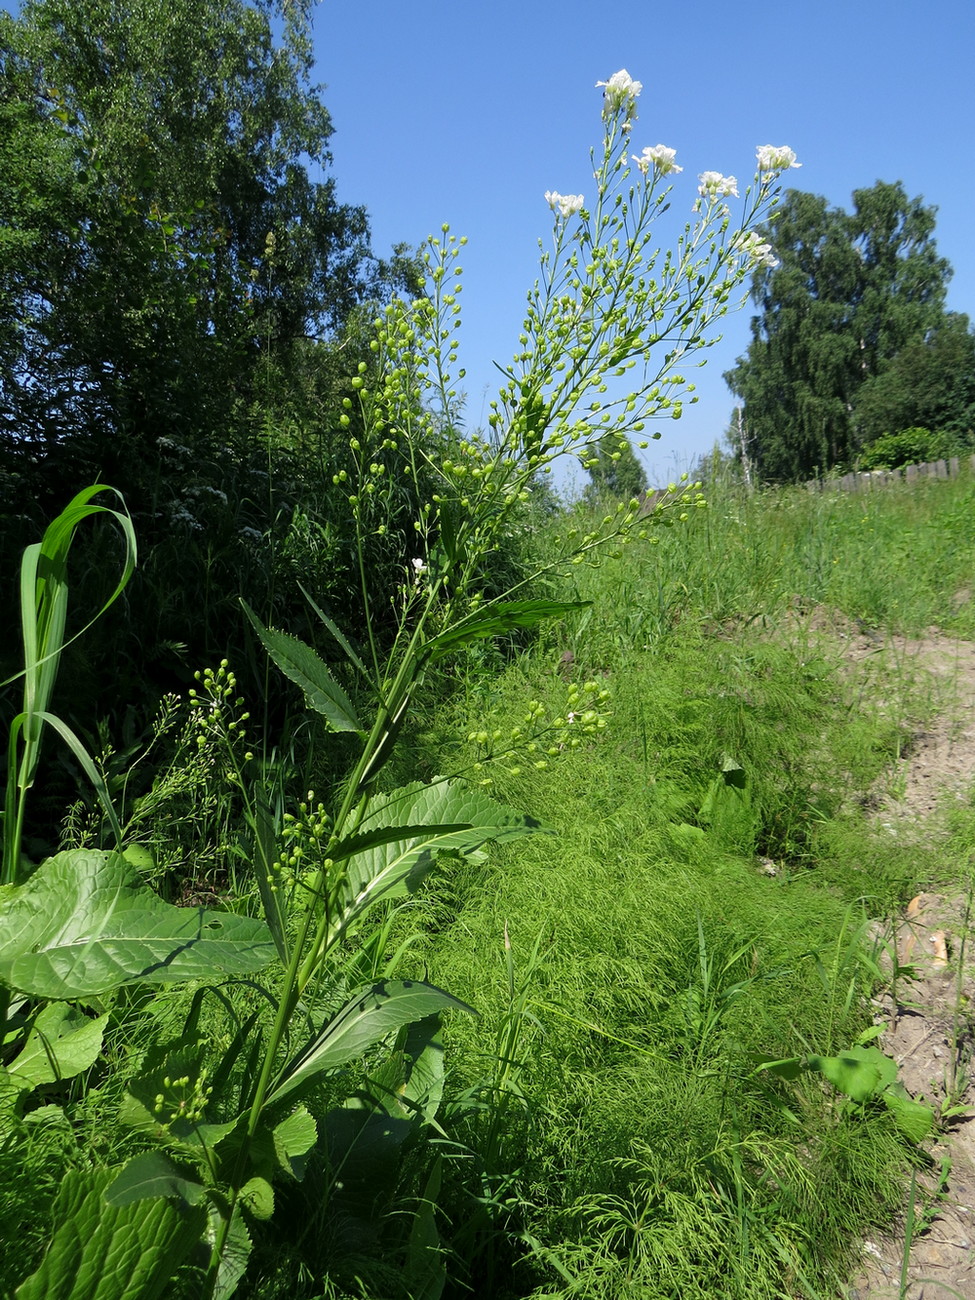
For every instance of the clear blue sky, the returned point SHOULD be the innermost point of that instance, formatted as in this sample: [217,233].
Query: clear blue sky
[466,113]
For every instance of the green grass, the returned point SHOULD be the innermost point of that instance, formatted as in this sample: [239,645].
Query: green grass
[654,961]
[654,965]
[703,904]
[899,558]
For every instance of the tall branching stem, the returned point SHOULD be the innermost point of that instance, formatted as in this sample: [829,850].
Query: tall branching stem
[600,307]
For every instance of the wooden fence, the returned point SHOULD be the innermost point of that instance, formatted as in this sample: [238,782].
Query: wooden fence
[870,479]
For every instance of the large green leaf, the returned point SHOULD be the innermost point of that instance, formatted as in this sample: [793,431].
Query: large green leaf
[303,666]
[864,1074]
[62,1042]
[402,833]
[494,620]
[84,923]
[150,1175]
[365,1019]
[861,1073]
[112,1252]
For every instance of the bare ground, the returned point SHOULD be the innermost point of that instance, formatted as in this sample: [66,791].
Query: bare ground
[928,1020]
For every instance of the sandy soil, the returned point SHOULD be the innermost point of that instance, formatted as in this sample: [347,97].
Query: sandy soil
[928,1028]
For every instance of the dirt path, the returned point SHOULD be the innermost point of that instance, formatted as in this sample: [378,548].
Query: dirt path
[928,1027]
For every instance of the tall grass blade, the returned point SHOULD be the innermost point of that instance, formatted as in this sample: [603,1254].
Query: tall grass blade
[44,611]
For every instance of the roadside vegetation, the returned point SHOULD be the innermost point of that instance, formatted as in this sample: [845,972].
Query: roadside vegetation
[616,1118]
[415,884]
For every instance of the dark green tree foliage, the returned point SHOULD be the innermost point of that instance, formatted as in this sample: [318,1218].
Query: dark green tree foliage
[850,292]
[182,302]
[930,383]
[617,473]
[163,238]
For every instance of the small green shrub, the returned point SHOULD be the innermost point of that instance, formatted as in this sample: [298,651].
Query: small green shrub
[909,447]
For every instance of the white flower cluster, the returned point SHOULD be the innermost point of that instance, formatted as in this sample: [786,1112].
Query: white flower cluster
[565,204]
[750,245]
[619,98]
[775,158]
[620,93]
[660,158]
[180,517]
[713,185]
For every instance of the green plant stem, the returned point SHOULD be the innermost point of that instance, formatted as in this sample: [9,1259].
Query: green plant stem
[303,964]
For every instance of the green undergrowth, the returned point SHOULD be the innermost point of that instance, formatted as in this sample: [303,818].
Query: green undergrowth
[899,559]
[710,903]
[632,971]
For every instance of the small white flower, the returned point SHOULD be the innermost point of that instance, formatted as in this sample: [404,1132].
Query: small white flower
[205,489]
[565,204]
[713,185]
[418,566]
[660,158]
[750,245]
[620,93]
[181,517]
[775,158]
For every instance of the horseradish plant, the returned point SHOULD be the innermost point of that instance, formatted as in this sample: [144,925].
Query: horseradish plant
[610,322]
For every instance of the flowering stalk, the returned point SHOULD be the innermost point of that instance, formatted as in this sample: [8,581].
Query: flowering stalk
[607,303]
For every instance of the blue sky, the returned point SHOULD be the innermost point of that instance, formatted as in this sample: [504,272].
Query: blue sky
[467,113]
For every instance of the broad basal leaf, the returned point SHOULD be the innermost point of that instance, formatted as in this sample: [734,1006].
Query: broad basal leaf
[364,1020]
[112,1252]
[85,923]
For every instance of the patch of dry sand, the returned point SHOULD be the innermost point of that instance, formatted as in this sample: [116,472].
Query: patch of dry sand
[928,1027]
